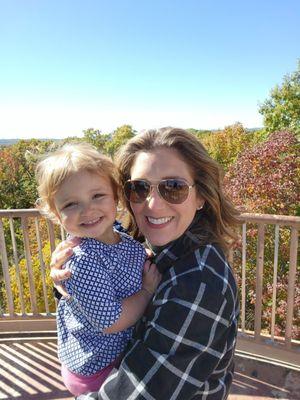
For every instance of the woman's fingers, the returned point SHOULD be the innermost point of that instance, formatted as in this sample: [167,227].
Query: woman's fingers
[60,256]
[63,252]
[68,244]
[58,275]
[61,290]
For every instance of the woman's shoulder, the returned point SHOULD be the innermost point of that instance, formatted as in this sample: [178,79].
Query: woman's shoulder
[209,265]
[210,253]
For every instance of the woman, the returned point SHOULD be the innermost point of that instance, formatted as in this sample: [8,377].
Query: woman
[184,345]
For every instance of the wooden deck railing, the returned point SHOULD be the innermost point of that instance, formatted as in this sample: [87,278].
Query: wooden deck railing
[12,250]
[263,220]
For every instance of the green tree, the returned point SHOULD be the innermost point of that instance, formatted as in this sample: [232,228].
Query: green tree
[225,146]
[96,138]
[36,268]
[282,109]
[17,173]
[118,138]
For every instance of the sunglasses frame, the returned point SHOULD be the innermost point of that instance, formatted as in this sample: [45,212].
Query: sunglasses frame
[156,186]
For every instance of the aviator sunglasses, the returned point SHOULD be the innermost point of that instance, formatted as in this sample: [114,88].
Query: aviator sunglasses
[174,191]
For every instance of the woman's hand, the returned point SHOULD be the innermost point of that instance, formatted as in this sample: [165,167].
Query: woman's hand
[151,277]
[60,255]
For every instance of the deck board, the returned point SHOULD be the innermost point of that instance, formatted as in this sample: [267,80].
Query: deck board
[29,370]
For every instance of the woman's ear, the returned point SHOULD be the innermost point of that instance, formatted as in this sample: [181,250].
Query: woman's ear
[201,204]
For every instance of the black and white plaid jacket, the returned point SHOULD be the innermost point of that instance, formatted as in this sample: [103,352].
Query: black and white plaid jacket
[183,347]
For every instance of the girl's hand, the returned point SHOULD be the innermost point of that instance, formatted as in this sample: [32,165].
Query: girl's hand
[151,277]
[60,255]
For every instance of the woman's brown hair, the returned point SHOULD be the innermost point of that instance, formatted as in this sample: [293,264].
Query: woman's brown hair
[218,215]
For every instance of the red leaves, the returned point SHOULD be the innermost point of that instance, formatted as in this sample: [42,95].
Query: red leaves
[266,178]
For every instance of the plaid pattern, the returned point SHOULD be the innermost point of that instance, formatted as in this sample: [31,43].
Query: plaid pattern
[183,347]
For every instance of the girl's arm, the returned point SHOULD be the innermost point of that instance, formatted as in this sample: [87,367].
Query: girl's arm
[134,306]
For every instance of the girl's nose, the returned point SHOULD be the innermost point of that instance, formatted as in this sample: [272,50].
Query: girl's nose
[86,208]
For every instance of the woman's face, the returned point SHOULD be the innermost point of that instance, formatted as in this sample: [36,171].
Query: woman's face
[159,221]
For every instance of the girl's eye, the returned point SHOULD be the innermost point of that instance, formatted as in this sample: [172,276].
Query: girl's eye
[98,195]
[70,205]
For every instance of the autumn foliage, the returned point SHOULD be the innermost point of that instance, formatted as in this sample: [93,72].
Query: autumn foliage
[262,175]
[265,179]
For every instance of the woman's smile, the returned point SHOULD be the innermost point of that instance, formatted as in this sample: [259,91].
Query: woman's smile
[159,221]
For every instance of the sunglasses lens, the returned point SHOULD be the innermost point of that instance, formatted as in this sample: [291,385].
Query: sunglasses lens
[174,191]
[136,191]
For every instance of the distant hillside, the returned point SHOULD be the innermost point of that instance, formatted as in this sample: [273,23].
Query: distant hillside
[9,142]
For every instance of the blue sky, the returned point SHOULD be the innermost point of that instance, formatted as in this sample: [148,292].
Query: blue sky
[69,65]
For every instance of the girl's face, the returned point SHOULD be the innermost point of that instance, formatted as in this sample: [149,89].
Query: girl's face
[86,206]
[159,221]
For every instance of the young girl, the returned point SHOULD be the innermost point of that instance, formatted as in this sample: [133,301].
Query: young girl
[105,294]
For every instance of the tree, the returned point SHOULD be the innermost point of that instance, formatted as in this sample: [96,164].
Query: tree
[282,110]
[36,268]
[224,146]
[96,138]
[118,138]
[266,178]
[17,173]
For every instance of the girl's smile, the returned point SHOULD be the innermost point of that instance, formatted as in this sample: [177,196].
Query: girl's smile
[86,206]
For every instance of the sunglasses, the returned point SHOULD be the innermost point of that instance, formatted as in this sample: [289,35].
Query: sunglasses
[174,191]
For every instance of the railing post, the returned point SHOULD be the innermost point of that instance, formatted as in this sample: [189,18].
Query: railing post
[244,247]
[16,260]
[5,267]
[291,287]
[275,270]
[29,265]
[51,235]
[259,281]
[42,264]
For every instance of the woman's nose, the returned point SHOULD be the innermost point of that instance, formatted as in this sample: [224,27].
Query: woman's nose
[154,200]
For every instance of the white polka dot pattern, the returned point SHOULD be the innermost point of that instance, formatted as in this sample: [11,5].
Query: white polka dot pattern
[102,275]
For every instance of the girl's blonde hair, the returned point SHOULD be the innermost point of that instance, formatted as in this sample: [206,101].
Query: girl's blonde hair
[53,168]
[219,216]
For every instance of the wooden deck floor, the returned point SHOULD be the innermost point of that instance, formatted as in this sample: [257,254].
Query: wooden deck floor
[29,370]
